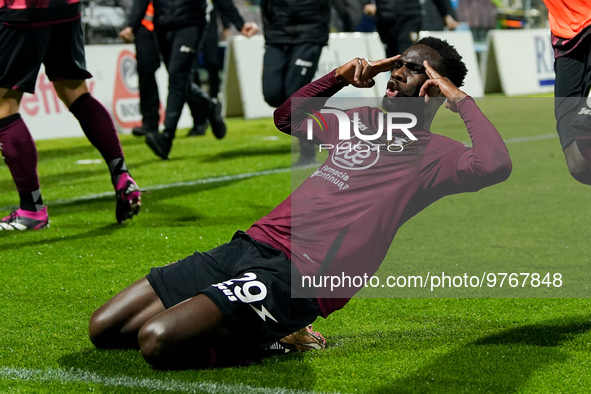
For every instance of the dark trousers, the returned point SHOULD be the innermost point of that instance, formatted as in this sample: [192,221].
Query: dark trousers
[287,68]
[148,61]
[399,34]
[212,59]
[571,91]
[178,48]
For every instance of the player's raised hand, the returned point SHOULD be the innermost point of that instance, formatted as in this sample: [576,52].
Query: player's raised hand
[437,86]
[359,72]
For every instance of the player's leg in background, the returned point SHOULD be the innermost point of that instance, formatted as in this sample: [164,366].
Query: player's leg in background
[65,66]
[98,126]
[212,60]
[399,33]
[407,32]
[178,48]
[301,68]
[274,73]
[21,54]
[20,155]
[183,52]
[388,32]
[115,325]
[205,107]
[571,102]
[148,61]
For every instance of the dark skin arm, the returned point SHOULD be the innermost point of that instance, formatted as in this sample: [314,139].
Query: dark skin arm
[444,87]
[360,72]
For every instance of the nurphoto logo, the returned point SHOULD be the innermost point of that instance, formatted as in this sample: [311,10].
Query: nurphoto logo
[387,122]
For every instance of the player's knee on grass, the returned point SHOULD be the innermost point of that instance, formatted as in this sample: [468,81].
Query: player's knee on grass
[101,330]
[156,346]
[106,331]
[150,338]
[165,353]
[97,327]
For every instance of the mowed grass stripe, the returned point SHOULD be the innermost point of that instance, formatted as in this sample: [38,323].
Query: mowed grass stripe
[79,376]
[218,179]
[228,178]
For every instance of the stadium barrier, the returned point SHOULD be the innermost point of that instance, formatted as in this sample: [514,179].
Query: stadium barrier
[114,84]
[519,62]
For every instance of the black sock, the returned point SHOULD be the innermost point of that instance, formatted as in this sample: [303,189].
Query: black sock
[117,167]
[31,201]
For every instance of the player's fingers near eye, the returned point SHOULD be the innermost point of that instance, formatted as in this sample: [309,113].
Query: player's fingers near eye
[431,71]
[426,85]
[385,64]
[358,70]
[367,71]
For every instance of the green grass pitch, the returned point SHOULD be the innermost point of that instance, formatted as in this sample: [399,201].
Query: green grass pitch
[523,341]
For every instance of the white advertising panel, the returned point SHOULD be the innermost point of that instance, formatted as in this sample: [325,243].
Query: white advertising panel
[519,62]
[114,84]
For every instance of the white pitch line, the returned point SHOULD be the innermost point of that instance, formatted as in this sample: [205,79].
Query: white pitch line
[225,178]
[533,138]
[526,139]
[166,384]
[228,178]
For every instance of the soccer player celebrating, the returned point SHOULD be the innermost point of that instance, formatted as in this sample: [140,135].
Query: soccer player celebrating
[570,24]
[50,32]
[220,306]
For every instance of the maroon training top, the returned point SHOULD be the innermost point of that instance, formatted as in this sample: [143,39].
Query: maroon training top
[343,218]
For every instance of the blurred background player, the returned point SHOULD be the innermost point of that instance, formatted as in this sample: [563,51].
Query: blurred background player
[399,22]
[438,15]
[209,58]
[570,23]
[349,14]
[50,33]
[148,61]
[295,32]
[179,26]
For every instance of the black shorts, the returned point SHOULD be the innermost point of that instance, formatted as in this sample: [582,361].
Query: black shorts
[573,82]
[249,281]
[60,47]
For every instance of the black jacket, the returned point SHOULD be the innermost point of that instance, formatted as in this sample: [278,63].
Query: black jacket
[295,21]
[173,14]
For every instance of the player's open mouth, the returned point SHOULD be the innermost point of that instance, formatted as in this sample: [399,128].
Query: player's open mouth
[391,93]
[392,90]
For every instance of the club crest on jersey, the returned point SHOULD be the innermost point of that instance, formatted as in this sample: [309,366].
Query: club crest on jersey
[355,155]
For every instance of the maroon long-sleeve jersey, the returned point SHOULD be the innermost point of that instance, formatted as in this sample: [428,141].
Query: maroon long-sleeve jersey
[343,218]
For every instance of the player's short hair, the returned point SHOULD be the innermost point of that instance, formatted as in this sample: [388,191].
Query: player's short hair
[451,64]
